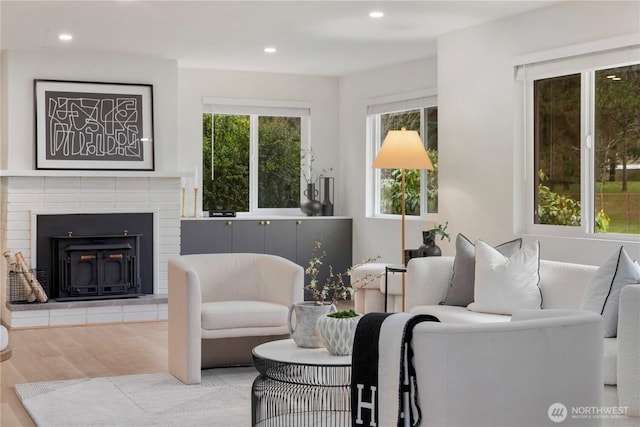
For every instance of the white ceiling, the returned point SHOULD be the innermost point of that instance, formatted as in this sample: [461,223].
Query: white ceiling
[311,37]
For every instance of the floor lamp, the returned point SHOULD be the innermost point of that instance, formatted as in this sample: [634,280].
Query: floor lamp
[402,149]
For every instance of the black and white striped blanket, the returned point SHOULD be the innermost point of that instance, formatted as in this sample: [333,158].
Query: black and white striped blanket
[383,383]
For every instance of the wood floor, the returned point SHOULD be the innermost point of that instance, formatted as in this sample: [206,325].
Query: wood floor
[78,352]
[73,352]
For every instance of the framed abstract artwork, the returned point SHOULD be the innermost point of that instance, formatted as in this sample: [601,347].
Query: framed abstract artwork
[91,125]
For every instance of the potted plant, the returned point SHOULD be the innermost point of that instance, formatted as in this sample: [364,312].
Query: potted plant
[429,247]
[336,329]
[304,333]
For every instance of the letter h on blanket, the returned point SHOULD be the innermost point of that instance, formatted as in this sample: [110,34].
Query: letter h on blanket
[371,405]
[382,371]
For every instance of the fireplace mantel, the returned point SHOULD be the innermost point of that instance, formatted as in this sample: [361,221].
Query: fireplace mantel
[92,173]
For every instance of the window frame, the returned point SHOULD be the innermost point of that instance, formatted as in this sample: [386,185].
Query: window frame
[255,109]
[376,108]
[578,60]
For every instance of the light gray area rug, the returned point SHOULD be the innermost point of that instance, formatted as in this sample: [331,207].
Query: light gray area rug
[223,399]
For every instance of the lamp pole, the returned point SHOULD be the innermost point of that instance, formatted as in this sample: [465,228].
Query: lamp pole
[403,242]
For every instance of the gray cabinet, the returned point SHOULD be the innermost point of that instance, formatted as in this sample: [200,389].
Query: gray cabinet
[276,237]
[293,239]
[205,237]
[335,235]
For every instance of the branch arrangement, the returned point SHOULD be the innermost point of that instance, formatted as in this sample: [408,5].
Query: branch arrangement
[334,288]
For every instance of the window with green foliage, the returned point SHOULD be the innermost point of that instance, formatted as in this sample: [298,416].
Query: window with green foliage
[616,176]
[586,134]
[421,187]
[252,161]
[557,142]
[225,163]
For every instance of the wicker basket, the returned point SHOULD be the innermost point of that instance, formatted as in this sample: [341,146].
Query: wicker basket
[17,293]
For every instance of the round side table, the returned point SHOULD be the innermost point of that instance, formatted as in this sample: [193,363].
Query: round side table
[300,386]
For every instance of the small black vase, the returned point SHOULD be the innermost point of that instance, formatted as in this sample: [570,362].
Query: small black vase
[311,206]
[429,247]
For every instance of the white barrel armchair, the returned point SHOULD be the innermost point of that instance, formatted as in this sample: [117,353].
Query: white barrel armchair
[515,373]
[222,305]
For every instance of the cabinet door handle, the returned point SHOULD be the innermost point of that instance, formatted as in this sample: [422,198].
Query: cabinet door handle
[229,222]
[268,222]
[298,222]
[261,222]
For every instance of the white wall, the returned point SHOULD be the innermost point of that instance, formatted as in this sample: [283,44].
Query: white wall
[376,237]
[22,190]
[320,92]
[21,68]
[481,172]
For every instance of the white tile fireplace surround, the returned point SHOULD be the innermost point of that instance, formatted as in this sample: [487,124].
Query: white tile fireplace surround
[27,194]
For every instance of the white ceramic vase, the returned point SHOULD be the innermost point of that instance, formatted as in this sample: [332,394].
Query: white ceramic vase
[302,320]
[337,334]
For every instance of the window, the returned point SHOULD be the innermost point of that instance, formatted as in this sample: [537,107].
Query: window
[251,156]
[421,187]
[557,150]
[584,124]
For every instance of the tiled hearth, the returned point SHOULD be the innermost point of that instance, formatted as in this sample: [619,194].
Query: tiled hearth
[144,308]
[29,193]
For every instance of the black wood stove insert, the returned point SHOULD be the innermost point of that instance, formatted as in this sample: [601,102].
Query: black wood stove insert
[96,267]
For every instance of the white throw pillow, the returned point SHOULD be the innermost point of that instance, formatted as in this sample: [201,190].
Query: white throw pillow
[464,269]
[602,294]
[506,284]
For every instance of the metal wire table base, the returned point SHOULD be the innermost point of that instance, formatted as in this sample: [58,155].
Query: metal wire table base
[306,395]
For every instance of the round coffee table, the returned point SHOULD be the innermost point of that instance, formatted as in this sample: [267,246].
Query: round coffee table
[300,386]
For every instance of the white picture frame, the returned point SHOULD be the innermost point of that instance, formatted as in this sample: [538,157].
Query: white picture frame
[93,125]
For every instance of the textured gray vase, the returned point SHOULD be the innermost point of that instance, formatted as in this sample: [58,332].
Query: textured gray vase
[303,317]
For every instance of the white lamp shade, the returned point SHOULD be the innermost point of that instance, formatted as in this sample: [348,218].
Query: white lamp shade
[402,149]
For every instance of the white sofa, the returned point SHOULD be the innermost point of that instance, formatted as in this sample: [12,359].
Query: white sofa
[509,373]
[223,305]
[562,286]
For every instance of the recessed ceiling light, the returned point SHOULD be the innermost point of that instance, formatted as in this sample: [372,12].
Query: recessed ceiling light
[376,14]
[65,37]
[270,49]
